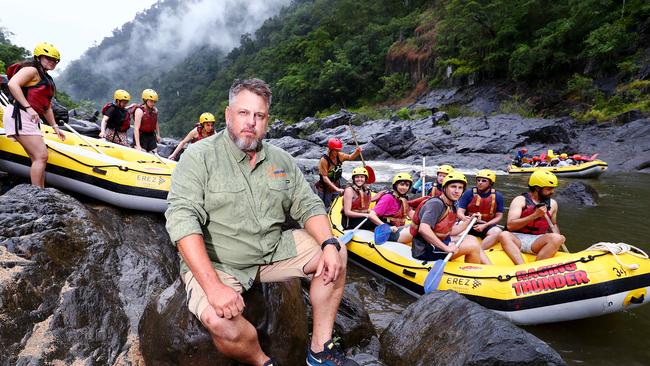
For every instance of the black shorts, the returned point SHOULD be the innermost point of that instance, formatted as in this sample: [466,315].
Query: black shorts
[352,222]
[481,234]
[432,253]
[148,141]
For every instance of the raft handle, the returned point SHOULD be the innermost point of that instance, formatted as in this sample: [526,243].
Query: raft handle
[408,273]
[99,171]
[637,300]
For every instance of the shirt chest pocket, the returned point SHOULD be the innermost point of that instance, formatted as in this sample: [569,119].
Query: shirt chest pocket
[280,193]
[226,201]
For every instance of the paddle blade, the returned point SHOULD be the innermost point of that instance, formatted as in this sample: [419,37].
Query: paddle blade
[435,275]
[345,238]
[371,175]
[382,233]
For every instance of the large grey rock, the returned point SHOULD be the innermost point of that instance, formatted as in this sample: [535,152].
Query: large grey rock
[444,328]
[171,335]
[74,281]
[579,193]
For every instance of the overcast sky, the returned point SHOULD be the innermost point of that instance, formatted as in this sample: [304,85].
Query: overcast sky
[72,26]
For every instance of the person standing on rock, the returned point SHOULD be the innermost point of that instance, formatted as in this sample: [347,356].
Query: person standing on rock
[434,227]
[527,222]
[330,169]
[203,129]
[228,200]
[116,120]
[484,200]
[146,130]
[32,89]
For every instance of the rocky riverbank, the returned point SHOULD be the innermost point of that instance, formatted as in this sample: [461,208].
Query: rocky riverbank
[93,285]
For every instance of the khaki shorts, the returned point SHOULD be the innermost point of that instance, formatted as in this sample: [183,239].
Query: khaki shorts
[306,248]
[527,241]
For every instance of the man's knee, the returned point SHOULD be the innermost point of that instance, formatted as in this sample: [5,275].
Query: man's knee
[220,328]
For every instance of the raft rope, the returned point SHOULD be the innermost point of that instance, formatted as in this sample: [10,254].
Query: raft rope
[620,248]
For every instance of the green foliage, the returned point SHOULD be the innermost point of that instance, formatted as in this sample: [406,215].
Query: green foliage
[582,88]
[395,86]
[403,113]
[64,99]
[630,96]
[517,105]
[9,53]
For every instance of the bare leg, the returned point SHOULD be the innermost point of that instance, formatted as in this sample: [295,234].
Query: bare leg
[471,249]
[547,245]
[491,238]
[512,246]
[37,151]
[236,338]
[325,300]
[405,235]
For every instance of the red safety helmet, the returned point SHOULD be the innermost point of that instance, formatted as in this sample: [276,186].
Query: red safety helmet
[524,150]
[536,158]
[334,144]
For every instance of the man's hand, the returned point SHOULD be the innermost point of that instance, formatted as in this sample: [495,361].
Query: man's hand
[452,248]
[329,264]
[226,302]
[358,150]
[340,190]
[540,212]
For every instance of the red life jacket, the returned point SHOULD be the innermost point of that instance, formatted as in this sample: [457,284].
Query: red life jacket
[199,129]
[149,119]
[435,191]
[443,226]
[486,207]
[399,218]
[116,125]
[537,227]
[39,96]
[362,202]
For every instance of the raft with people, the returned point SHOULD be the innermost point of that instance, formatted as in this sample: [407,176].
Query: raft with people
[109,172]
[590,169]
[602,279]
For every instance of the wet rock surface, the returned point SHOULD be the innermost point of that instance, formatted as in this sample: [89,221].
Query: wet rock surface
[74,280]
[578,193]
[444,328]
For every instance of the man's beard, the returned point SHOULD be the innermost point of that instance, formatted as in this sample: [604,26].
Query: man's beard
[246,144]
[542,197]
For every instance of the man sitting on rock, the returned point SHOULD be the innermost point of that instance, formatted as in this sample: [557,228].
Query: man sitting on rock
[530,217]
[227,203]
[483,199]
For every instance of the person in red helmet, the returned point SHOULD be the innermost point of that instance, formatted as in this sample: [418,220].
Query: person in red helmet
[330,169]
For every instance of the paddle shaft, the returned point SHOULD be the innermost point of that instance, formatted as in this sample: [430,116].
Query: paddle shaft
[462,237]
[354,137]
[555,230]
[160,159]
[83,138]
[424,179]
[361,223]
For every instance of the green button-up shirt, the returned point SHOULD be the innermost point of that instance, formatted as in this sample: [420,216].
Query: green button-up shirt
[239,210]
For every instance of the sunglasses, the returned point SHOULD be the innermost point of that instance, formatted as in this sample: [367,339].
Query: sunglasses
[52,59]
[482,180]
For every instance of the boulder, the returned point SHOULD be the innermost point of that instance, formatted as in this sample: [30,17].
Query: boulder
[75,280]
[85,128]
[396,141]
[579,193]
[171,335]
[444,328]
[342,118]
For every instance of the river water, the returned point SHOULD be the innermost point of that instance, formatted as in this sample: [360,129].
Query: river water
[621,216]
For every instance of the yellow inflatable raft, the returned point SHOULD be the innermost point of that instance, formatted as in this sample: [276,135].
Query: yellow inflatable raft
[112,173]
[590,169]
[569,286]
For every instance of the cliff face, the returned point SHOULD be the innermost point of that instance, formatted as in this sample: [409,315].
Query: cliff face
[414,55]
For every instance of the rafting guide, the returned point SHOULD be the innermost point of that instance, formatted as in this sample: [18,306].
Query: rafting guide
[230,195]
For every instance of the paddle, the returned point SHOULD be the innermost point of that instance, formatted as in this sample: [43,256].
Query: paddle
[350,234]
[160,159]
[371,172]
[382,233]
[555,230]
[83,138]
[435,275]
[424,179]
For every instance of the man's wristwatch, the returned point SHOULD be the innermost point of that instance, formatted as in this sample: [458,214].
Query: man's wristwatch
[331,241]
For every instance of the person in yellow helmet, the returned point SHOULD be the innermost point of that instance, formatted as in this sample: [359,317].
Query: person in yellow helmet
[436,188]
[117,120]
[146,130]
[435,228]
[204,128]
[530,218]
[32,89]
[356,201]
[483,199]
[393,208]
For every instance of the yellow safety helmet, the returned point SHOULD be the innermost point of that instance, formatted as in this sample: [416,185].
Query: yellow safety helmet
[206,117]
[564,156]
[542,178]
[47,49]
[360,171]
[121,95]
[487,173]
[149,94]
[454,177]
[445,168]
[402,176]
